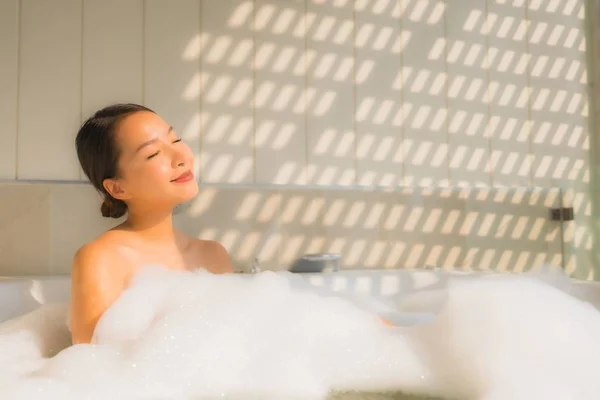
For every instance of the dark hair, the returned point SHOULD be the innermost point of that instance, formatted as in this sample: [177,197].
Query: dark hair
[98,151]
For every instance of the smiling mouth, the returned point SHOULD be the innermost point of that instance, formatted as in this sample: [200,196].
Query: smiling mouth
[185,177]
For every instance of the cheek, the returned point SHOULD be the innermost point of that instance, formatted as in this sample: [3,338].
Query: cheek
[160,171]
[188,153]
[152,173]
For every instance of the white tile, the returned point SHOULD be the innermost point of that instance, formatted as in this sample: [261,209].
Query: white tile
[379,42]
[50,89]
[408,229]
[424,103]
[301,225]
[112,53]
[345,222]
[559,94]
[511,230]
[172,48]
[351,223]
[508,59]
[561,148]
[24,230]
[423,228]
[330,88]
[580,257]
[468,113]
[505,229]
[9,42]
[280,92]
[227,92]
[560,131]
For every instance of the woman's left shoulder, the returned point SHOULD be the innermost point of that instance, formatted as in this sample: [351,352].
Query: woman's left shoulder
[211,247]
[214,255]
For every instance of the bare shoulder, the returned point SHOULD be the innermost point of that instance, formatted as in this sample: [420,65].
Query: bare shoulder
[97,259]
[99,249]
[213,255]
[98,276]
[102,248]
[90,253]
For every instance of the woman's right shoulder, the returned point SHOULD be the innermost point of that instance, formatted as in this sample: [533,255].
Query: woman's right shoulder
[97,255]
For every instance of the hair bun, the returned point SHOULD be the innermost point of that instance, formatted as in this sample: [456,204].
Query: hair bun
[113,208]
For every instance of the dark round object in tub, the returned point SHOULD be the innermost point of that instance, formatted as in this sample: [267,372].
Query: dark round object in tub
[306,266]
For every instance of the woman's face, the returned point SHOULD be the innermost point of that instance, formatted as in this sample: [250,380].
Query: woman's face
[155,166]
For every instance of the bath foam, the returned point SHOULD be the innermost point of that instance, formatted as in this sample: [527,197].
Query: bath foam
[27,340]
[512,337]
[181,335]
[176,335]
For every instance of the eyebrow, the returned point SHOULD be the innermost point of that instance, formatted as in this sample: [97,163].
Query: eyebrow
[153,140]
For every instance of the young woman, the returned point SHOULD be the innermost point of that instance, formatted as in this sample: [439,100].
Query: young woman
[142,169]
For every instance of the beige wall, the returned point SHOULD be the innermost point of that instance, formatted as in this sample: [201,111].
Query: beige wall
[42,225]
[321,92]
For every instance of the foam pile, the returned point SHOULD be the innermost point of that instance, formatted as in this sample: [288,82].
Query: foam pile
[180,335]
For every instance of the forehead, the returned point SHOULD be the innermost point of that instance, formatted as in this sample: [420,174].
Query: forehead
[138,128]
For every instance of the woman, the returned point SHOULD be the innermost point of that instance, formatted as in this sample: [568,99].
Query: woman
[140,166]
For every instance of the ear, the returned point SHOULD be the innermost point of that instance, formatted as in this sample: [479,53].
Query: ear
[115,189]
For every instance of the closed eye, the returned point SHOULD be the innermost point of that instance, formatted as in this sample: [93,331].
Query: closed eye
[155,154]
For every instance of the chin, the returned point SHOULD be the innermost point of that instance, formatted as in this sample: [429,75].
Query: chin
[187,192]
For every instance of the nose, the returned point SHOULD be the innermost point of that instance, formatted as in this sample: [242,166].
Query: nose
[178,159]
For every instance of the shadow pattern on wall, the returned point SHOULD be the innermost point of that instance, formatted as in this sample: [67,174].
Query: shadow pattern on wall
[374,93]
[500,229]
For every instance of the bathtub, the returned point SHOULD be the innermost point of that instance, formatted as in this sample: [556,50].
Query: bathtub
[22,295]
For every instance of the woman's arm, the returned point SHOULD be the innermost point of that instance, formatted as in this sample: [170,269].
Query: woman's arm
[96,282]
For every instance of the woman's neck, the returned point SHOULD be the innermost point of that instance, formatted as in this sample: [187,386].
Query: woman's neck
[152,225]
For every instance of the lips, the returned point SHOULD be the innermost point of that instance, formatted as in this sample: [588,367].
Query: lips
[185,177]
